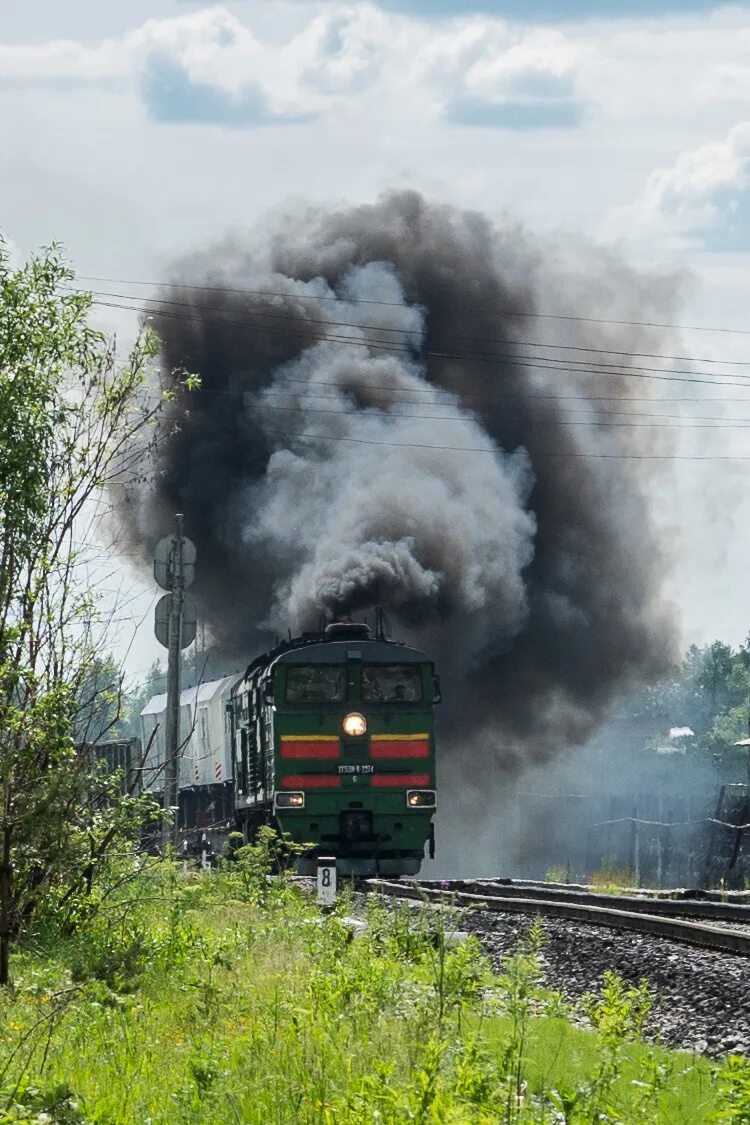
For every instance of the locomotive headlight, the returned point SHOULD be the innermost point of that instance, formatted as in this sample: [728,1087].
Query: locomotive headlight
[293,800]
[420,798]
[354,724]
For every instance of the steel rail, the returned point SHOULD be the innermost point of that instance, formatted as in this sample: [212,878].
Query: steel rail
[671,894]
[724,912]
[713,936]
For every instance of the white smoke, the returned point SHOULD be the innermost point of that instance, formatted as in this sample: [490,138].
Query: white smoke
[360,506]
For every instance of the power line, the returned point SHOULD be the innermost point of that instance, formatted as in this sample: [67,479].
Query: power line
[694,422]
[641,373]
[399,304]
[402,331]
[519,452]
[700,424]
[498,397]
[563,363]
[729,422]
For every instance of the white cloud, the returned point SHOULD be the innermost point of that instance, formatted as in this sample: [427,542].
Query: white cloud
[520,68]
[342,51]
[211,44]
[703,198]
[61,61]
[208,65]
[212,52]
[491,72]
[728,82]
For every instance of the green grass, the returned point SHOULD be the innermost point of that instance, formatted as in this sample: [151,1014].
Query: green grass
[564,1057]
[231,999]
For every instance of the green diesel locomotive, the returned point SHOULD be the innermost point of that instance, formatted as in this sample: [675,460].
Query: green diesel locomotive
[333,740]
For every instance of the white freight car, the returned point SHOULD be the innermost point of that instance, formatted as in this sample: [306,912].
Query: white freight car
[205,742]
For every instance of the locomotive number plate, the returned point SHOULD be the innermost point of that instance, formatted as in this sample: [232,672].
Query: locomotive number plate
[356,769]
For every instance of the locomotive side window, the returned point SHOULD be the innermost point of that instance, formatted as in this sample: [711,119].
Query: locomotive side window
[315,683]
[392,683]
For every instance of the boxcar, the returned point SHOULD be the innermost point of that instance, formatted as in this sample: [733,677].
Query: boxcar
[205,781]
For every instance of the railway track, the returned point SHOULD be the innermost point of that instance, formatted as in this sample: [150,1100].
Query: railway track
[712,925]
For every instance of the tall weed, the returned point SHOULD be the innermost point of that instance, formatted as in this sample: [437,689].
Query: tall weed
[733,1092]
[229,996]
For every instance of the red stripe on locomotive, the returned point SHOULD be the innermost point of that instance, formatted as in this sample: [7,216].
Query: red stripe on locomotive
[407,780]
[311,781]
[296,748]
[394,748]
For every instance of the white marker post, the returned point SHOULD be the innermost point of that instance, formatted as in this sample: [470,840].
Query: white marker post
[326,880]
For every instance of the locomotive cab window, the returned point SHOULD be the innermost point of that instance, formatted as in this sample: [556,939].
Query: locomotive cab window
[315,683]
[392,683]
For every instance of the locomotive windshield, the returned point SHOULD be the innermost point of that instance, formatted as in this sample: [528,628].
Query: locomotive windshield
[315,683]
[391,683]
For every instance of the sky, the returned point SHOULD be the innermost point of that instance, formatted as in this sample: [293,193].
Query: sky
[137,133]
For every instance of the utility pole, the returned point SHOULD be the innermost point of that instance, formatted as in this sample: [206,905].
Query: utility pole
[174,662]
[174,625]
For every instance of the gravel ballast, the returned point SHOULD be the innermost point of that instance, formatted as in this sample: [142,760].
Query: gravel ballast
[701,998]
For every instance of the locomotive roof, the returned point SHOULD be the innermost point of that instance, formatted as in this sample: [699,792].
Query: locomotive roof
[317,648]
[334,652]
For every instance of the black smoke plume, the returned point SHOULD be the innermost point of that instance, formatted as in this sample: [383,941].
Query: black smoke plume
[379,424]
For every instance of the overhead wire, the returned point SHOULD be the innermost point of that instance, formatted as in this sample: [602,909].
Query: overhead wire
[263,394]
[728,423]
[538,363]
[743,424]
[521,452]
[497,398]
[399,304]
[509,357]
[670,375]
[401,331]
[532,423]
[723,422]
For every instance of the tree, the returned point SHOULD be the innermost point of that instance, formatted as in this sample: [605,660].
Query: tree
[710,693]
[100,706]
[155,683]
[73,423]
